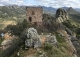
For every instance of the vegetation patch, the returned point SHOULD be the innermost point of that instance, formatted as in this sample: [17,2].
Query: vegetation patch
[60,39]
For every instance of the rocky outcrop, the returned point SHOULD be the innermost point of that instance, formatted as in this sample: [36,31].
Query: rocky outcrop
[32,33]
[49,22]
[73,42]
[76,44]
[33,39]
[11,11]
[61,15]
[51,39]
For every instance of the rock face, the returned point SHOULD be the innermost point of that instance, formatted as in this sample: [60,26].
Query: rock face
[32,33]
[11,10]
[51,39]
[76,44]
[28,43]
[61,15]
[33,39]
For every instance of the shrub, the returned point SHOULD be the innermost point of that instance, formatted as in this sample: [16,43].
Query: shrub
[48,46]
[17,29]
[60,39]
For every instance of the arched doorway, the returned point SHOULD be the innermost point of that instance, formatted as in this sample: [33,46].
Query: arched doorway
[30,19]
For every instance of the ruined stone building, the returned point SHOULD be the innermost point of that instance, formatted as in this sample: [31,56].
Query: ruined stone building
[34,15]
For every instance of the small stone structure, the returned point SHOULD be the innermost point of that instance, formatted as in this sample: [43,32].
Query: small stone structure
[34,15]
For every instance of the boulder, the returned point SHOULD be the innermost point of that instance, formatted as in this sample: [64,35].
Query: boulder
[37,43]
[29,43]
[33,39]
[32,33]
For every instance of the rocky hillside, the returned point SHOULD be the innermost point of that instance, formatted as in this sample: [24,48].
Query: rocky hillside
[11,11]
[73,14]
[11,14]
[57,36]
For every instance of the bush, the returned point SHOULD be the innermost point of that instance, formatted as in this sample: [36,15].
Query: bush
[16,43]
[1,40]
[60,39]
[48,46]
[17,29]
[78,31]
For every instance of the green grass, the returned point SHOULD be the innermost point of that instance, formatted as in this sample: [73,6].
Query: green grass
[60,39]
[1,41]
[75,17]
[53,51]
[1,26]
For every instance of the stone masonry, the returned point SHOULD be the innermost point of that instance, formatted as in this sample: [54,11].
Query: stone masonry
[34,14]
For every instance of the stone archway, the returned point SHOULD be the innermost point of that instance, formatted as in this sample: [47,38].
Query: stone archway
[30,19]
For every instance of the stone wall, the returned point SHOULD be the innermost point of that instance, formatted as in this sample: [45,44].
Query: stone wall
[34,14]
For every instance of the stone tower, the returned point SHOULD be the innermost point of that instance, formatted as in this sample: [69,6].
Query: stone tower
[34,15]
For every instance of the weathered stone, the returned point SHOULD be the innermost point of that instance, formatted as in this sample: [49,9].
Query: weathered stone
[61,15]
[29,43]
[37,43]
[34,15]
[69,31]
[33,39]
[51,39]
[60,34]
[32,33]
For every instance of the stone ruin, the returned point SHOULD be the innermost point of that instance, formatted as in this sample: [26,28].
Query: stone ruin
[34,15]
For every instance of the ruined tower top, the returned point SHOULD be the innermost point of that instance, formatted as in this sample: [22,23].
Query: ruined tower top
[34,14]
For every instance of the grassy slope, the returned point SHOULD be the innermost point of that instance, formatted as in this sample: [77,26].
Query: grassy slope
[11,13]
[51,50]
[75,17]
